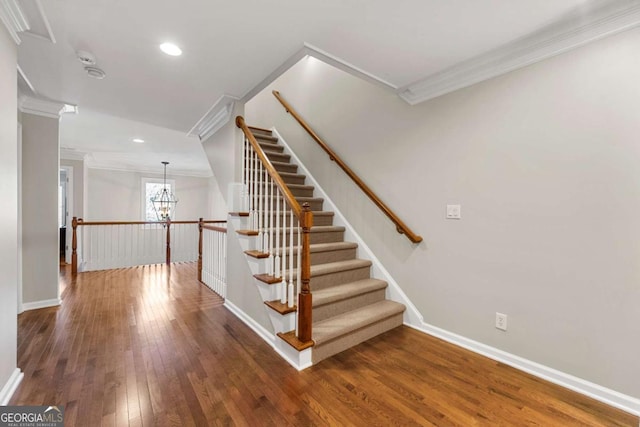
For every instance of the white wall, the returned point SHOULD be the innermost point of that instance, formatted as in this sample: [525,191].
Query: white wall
[116,196]
[40,235]
[217,204]
[224,149]
[544,162]
[8,215]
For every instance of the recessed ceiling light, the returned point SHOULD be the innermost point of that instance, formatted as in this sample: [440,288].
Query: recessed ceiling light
[138,140]
[171,49]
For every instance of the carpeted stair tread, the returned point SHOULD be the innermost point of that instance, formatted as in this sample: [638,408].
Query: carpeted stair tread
[277,156]
[347,290]
[263,137]
[300,199]
[325,247]
[300,187]
[316,229]
[259,130]
[337,326]
[292,175]
[284,165]
[315,213]
[270,146]
[333,267]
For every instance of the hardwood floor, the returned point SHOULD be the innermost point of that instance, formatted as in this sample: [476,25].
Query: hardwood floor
[151,346]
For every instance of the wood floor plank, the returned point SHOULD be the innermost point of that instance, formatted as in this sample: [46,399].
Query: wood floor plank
[151,346]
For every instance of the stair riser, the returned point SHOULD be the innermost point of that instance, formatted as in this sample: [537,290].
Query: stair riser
[330,256]
[277,157]
[295,179]
[264,135]
[315,205]
[318,220]
[280,167]
[270,146]
[339,277]
[319,237]
[297,192]
[343,306]
[286,167]
[321,352]
[267,148]
[302,192]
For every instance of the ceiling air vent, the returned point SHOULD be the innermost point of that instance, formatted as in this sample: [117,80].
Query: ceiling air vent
[95,72]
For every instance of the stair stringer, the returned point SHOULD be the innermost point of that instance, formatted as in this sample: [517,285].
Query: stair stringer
[411,317]
[280,323]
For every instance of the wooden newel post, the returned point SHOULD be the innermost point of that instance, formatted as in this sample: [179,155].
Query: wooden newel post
[304,298]
[168,260]
[74,246]
[200,224]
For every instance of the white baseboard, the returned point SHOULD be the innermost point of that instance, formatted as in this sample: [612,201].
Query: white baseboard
[10,387]
[610,397]
[26,306]
[270,338]
[255,326]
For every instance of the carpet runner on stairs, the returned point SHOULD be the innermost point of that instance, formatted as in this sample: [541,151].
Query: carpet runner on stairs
[349,306]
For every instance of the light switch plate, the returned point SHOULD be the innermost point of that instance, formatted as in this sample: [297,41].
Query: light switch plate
[453,212]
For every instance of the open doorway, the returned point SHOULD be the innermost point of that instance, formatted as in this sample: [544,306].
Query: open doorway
[65,212]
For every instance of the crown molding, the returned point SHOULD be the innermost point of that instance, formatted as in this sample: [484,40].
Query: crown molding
[40,107]
[311,50]
[218,115]
[581,28]
[71,154]
[46,23]
[345,66]
[92,163]
[27,82]
[13,18]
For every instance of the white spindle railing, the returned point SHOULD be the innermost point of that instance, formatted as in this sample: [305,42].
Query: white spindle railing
[109,245]
[214,259]
[273,201]
[268,213]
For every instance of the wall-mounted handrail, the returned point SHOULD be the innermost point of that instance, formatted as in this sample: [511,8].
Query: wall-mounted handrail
[401,227]
[305,221]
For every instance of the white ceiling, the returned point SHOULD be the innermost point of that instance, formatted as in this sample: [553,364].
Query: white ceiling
[231,47]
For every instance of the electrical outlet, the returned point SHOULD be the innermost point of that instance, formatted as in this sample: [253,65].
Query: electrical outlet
[501,321]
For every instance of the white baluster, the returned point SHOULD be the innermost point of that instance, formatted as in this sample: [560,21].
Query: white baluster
[290,288]
[276,260]
[283,271]
[267,219]
[243,201]
[252,199]
[261,208]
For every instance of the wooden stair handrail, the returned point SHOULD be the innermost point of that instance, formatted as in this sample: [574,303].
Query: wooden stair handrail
[401,227]
[305,219]
[288,195]
[81,222]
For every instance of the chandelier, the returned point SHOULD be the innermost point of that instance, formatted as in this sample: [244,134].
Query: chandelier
[164,202]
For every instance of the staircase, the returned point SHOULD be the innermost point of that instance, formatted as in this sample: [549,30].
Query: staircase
[349,306]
